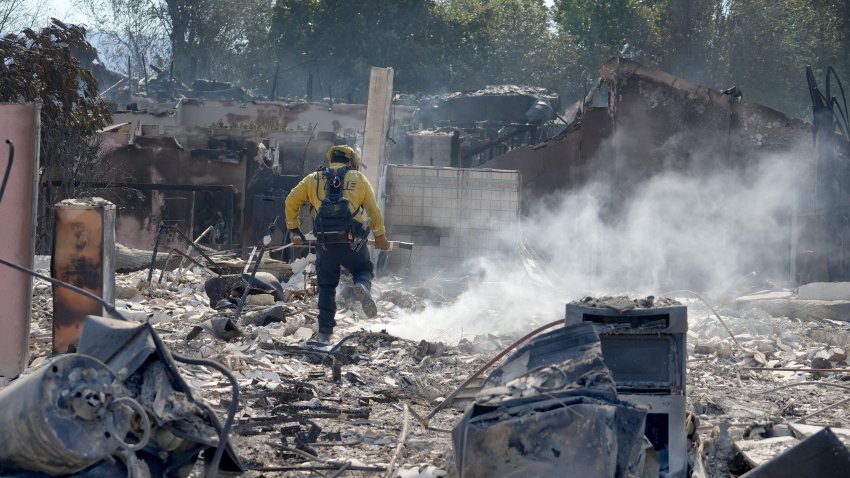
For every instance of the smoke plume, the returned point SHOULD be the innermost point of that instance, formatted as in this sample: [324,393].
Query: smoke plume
[719,232]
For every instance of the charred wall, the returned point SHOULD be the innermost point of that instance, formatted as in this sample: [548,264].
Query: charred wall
[640,121]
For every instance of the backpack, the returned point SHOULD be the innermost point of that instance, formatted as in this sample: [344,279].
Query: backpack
[334,221]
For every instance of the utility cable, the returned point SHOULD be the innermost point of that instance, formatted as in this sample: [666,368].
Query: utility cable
[722,322]
[427,420]
[234,403]
[212,465]
[106,305]
[8,168]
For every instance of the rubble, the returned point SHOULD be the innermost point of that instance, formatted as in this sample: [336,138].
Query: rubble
[529,412]
[293,394]
[344,405]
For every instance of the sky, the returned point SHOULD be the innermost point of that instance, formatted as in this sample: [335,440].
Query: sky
[64,10]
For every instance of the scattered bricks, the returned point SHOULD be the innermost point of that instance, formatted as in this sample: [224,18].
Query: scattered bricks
[83,250]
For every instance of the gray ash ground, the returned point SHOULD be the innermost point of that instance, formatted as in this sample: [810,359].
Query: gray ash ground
[291,399]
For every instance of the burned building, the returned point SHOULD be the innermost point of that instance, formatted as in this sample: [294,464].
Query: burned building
[639,121]
[230,164]
[220,163]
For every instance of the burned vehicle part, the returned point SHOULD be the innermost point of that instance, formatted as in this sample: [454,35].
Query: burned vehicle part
[132,349]
[182,426]
[526,418]
[65,417]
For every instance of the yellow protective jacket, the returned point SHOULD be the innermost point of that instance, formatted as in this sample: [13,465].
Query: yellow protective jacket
[358,191]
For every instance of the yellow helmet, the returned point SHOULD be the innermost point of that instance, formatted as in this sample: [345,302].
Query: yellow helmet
[346,151]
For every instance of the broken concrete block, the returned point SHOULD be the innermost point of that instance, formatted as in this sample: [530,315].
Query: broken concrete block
[819,455]
[304,333]
[836,354]
[126,293]
[260,299]
[824,291]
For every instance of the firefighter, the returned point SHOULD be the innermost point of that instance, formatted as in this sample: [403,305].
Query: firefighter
[339,194]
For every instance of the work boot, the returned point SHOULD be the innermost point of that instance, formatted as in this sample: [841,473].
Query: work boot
[362,294]
[322,337]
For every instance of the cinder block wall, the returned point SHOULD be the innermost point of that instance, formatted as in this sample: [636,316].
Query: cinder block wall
[431,149]
[451,214]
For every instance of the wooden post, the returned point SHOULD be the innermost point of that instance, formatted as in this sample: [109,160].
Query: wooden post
[377,127]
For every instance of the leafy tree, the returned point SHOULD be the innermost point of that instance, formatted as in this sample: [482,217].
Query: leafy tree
[693,32]
[445,45]
[339,41]
[40,67]
[768,44]
[611,28]
[508,41]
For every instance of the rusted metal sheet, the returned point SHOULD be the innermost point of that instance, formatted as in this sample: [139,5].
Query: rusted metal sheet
[19,124]
[83,250]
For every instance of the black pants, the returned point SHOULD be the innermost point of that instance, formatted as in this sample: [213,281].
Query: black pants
[328,261]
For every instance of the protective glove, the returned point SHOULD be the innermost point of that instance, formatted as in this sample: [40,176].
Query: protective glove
[296,236]
[382,243]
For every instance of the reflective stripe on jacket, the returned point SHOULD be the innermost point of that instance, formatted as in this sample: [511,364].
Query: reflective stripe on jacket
[358,191]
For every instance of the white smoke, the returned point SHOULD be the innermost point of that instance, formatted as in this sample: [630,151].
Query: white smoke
[711,232]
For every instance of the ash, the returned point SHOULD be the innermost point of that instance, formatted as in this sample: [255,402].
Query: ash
[346,407]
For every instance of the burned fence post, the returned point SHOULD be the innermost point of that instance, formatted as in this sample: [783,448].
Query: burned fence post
[83,255]
[19,125]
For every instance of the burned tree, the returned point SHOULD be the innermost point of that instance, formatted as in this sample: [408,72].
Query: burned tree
[40,67]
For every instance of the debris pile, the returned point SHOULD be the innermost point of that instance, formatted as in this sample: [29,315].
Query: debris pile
[301,409]
[305,410]
[755,396]
[526,419]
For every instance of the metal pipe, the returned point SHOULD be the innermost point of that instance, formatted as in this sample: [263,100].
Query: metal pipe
[266,240]
[426,421]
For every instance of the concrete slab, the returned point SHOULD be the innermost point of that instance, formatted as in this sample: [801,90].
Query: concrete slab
[773,295]
[824,291]
[799,309]
[804,431]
